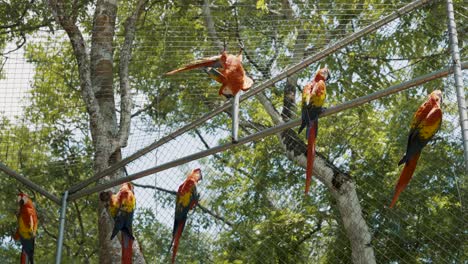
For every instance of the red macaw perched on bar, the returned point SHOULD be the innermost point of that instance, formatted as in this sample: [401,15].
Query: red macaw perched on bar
[226,69]
[426,122]
[186,199]
[27,227]
[313,98]
[121,207]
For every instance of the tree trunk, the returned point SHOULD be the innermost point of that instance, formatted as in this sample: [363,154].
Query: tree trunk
[338,183]
[343,189]
[96,75]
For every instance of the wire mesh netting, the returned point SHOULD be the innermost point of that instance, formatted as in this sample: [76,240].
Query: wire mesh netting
[252,207]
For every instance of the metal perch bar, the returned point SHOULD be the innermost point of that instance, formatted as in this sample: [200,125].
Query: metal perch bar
[270,131]
[28,183]
[262,86]
[457,74]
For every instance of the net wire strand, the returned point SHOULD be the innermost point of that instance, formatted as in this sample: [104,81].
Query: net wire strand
[187,142]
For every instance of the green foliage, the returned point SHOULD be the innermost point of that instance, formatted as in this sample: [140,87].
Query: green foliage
[255,187]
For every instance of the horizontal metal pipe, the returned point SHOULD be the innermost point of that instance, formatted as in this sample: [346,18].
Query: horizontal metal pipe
[259,88]
[28,183]
[270,131]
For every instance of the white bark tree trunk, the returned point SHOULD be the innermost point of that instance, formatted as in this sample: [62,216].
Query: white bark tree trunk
[338,183]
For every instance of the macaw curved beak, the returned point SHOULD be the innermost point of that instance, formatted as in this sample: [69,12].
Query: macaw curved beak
[21,202]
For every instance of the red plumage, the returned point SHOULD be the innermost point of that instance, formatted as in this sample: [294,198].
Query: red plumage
[226,69]
[176,239]
[186,199]
[313,98]
[426,122]
[405,177]
[24,257]
[127,252]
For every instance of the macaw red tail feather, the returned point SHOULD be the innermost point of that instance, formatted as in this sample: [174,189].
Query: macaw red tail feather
[24,257]
[176,239]
[310,154]
[405,177]
[127,252]
[206,62]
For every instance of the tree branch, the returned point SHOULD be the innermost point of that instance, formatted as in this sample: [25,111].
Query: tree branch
[80,52]
[204,209]
[125,95]
[18,21]
[218,157]
[210,25]
[18,46]
[307,236]
[263,70]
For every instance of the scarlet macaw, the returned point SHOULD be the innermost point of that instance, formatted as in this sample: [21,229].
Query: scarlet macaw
[27,227]
[313,98]
[121,207]
[224,68]
[426,122]
[186,199]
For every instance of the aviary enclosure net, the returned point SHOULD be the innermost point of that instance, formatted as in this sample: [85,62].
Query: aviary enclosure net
[252,207]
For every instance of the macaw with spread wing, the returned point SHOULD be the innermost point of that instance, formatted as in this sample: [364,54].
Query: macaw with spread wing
[121,207]
[313,98]
[226,69]
[27,227]
[426,122]
[186,199]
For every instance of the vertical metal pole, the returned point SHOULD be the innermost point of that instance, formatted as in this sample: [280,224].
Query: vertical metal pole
[235,118]
[63,210]
[457,73]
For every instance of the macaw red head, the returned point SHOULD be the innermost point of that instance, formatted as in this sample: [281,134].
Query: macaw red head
[197,174]
[23,198]
[127,186]
[436,96]
[323,74]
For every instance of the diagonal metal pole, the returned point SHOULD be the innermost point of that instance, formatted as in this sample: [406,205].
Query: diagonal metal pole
[258,88]
[28,183]
[457,74]
[267,132]
[63,213]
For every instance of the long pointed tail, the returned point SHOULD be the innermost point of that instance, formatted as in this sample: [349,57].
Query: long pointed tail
[176,239]
[24,257]
[127,248]
[405,177]
[310,154]
[27,252]
[205,62]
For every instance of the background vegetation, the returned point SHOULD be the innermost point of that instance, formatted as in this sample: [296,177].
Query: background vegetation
[255,192]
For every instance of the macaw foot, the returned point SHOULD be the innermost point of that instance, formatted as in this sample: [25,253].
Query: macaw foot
[228,96]
[241,46]
[323,109]
[234,141]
